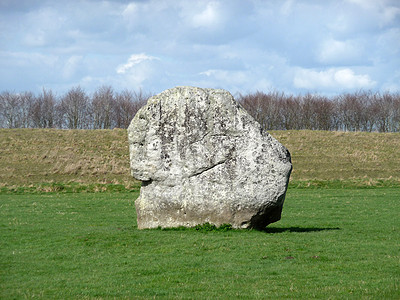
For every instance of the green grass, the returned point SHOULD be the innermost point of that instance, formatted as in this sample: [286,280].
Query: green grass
[61,238]
[330,244]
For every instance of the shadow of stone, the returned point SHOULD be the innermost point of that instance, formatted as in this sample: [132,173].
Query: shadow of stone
[297,229]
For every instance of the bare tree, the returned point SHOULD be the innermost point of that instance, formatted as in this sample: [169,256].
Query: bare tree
[308,117]
[126,106]
[359,111]
[14,109]
[102,106]
[26,100]
[350,110]
[74,109]
[290,111]
[43,110]
[386,112]
[396,112]
[263,108]
[324,113]
[366,111]
[8,108]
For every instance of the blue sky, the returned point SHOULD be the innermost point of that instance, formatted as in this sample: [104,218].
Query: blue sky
[325,47]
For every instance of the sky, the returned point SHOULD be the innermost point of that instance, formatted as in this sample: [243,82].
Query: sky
[306,46]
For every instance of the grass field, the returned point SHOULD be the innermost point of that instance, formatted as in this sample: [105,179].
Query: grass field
[36,156]
[330,244]
[32,157]
[61,240]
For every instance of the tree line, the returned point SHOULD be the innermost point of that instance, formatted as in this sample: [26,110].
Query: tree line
[357,111]
[104,109]
[107,109]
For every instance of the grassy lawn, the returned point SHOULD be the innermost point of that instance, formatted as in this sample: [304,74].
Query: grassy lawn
[33,157]
[330,243]
[337,239]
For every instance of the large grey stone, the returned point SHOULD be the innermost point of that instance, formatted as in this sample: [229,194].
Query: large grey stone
[202,158]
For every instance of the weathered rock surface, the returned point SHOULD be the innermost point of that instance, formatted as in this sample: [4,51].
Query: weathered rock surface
[202,158]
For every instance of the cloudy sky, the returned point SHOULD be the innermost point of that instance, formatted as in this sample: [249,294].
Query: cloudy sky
[326,47]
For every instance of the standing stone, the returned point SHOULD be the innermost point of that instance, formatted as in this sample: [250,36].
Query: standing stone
[202,158]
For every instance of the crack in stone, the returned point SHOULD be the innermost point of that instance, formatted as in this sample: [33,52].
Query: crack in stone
[200,140]
[203,170]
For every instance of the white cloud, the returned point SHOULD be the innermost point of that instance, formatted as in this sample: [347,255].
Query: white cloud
[382,10]
[42,27]
[389,14]
[134,60]
[36,39]
[332,78]
[287,7]
[28,59]
[366,4]
[392,84]
[209,17]
[225,76]
[347,79]
[71,66]
[130,14]
[236,81]
[130,10]
[333,51]
[388,44]
[140,71]
[234,44]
